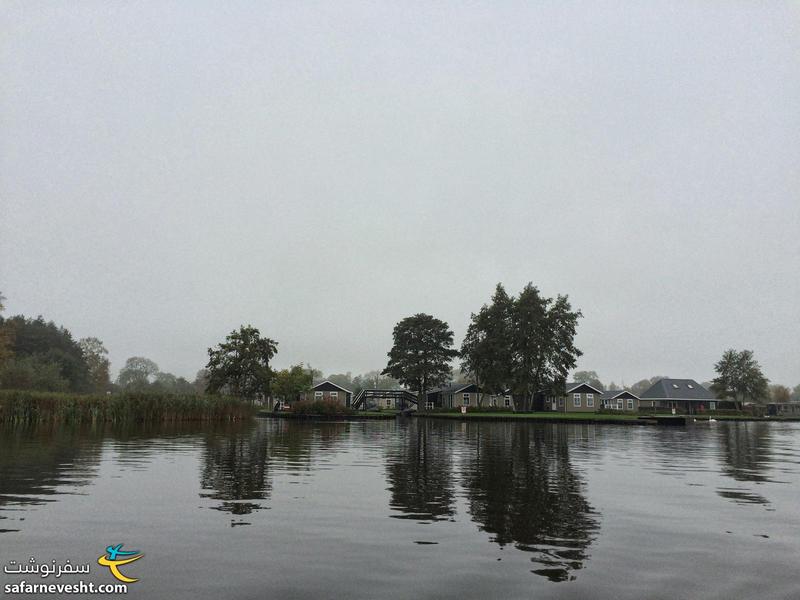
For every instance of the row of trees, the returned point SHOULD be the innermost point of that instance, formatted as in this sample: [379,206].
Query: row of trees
[523,343]
[39,355]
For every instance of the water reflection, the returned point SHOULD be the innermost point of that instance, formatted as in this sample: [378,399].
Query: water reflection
[523,490]
[39,465]
[420,472]
[235,470]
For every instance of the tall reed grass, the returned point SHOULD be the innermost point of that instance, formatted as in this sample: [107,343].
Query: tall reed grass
[43,407]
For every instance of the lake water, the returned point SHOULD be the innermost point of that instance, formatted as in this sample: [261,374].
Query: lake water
[413,509]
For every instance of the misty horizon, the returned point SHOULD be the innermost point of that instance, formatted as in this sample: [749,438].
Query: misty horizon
[323,172]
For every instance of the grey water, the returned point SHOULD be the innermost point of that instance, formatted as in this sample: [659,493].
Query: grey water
[413,508]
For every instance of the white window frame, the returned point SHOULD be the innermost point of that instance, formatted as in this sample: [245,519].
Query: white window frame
[465,400]
[589,400]
[317,394]
[428,405]
[619,404]
[630,404]
[576,400]
[388,403]
[507,401]
[334,395]
[712,405]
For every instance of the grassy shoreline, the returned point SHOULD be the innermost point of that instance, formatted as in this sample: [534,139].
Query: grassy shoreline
[23,407]
[555,417]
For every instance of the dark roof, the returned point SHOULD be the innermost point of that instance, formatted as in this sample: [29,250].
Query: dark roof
[329,386]
[610,394]
[571,385]
[677,389]
[454,389]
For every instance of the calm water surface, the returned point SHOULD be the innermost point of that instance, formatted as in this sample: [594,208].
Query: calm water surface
[426,509]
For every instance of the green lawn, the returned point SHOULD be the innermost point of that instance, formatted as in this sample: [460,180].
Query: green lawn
[535,416]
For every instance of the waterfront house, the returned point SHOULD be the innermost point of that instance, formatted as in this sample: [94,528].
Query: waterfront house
[684,395]
[579,397]
[455,396]
[621,400]
[327,390]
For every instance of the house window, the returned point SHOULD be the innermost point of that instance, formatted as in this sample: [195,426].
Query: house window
[507,401]
[388,403]
[630,403]
[429,405]
[590,400]
[466,400]
[317,394]
[576,400]
[712,405]
[335,395]
[561,401]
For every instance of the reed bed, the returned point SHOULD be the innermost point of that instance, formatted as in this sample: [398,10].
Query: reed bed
[45,407]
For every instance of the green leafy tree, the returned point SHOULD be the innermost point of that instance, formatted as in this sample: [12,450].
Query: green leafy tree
[739,377]
[290,384]
[137,374]
[542,343]
[487,349]
[50,344]
[589,377]
[421,354]
[96,357]
[240,364]
[32,372]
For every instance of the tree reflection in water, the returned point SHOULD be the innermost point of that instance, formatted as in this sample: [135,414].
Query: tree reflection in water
[236,470]
[518,480]
[523,489]
[420,473]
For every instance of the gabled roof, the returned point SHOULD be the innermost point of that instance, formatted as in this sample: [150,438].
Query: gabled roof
[470,388]
[677,389]
[572,386]
[329,386]
[611,394]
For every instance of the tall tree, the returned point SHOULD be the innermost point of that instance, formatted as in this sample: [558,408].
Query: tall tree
[589,377]
[487,349]
[289,384]
[96,357]
[240,364]
[137,374]
[421,354]
[739,377]
[543,343]
[796,394]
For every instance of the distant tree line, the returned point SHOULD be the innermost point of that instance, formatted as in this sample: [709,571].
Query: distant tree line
[524,344]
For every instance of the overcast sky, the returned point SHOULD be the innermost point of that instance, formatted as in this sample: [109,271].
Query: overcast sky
[171,170]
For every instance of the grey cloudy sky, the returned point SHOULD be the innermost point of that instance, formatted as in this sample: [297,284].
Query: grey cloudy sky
[170,170]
